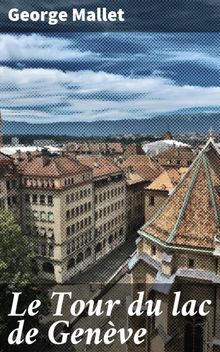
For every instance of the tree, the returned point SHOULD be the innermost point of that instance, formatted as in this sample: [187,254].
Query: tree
[17,274]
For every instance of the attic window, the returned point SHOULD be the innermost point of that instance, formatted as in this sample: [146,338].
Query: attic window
[191,263]
[151,201]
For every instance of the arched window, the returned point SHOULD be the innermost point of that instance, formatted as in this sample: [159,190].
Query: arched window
[48,267]
[79,258]
[110,239]
[88,252]
[98,247]
[70,264]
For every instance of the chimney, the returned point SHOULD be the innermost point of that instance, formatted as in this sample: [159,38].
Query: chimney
[45,156]
[29,156]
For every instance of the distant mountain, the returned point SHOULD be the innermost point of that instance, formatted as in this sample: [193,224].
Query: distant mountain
[176,124]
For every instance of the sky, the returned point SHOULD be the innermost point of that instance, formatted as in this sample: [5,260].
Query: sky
[108,76]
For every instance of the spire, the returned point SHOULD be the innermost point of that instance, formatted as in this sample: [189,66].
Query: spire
[191,216]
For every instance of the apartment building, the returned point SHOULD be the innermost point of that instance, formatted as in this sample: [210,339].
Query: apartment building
[109,203]
[57,213]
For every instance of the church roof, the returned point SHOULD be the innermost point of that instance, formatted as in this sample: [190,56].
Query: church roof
[190,217]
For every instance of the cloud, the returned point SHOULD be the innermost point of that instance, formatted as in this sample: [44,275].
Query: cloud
[39,47]
[51,94]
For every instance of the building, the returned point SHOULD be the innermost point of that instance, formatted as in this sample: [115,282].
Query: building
[95,148]
[1,131]
[9,186]
[133,149]
[109,203]
[140,171]
[179,251]
[158,191]
[177,157]
[57,213]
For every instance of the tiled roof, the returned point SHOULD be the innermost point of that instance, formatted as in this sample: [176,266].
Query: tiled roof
[144,166]
[100,165]
[5,159]
[133,178]
[190,216]
[55,167]
[167,180]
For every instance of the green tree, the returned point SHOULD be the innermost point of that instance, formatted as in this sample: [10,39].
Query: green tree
[17,274]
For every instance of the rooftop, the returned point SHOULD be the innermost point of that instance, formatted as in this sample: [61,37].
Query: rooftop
[190,216]
[167,180]
[50,166]
[100,165]
[143,166]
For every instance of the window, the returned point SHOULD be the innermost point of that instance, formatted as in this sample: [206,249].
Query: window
[191,263]
[151,201]
[67,214]
[42,199]
[51,250]
[48,268]
[50,216]
[153,250]
[67,199]
[68,248]
[50,200]
[98,247]
[110,240]
[68,231]
[9,201]
[8,185]
[35,214]
[70,264]
[43,250]
[88,253]
[14,200]
[79,258]
[42,216]
[34,198]
[27,198]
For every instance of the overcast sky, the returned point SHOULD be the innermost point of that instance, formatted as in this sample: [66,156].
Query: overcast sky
[90,76]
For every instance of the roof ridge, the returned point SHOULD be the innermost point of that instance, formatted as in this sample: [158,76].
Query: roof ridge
[185,202]
[211,191]
[160,210]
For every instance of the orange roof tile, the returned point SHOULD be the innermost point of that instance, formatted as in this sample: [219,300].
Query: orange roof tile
[167,180]
[56,167]
[144,166]
[100,165]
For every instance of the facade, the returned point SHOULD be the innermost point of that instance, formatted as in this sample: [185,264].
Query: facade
[57,214]
[140,171]
[158,191]
[178,250]
[109,203]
